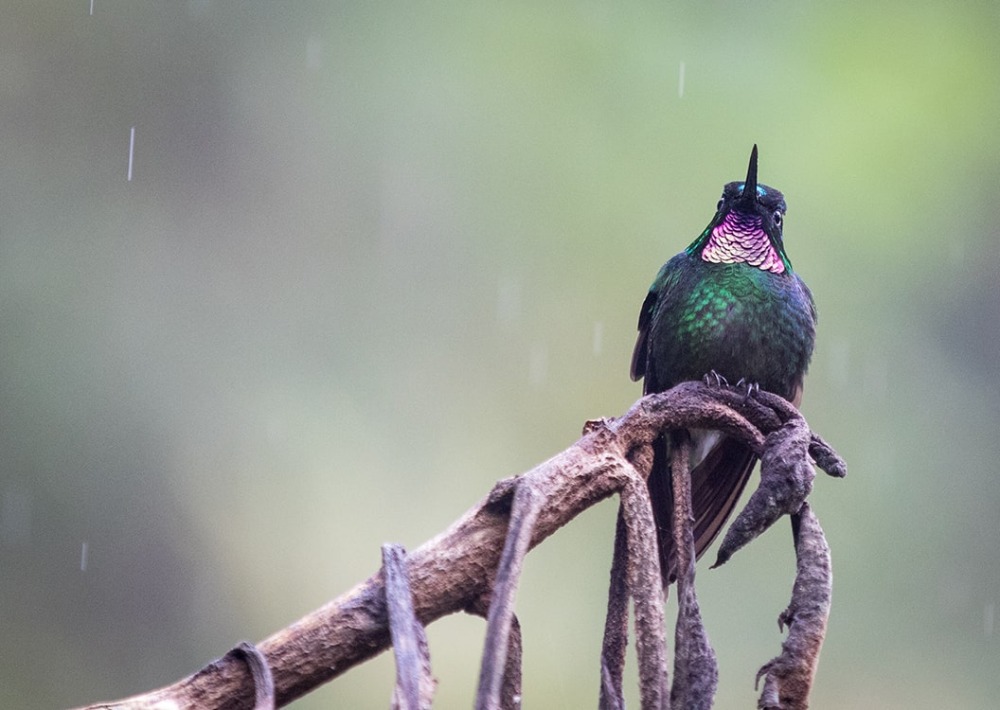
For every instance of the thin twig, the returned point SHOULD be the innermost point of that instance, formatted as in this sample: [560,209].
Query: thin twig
[510,691]
[260,671]
[414,682]
[696,673]
[646,590]
[788,678]
[615,643]
[523,514]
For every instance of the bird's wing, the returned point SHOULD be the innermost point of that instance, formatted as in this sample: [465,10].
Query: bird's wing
[716,485]
[658,291]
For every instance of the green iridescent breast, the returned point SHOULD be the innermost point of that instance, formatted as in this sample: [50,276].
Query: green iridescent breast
[735,319]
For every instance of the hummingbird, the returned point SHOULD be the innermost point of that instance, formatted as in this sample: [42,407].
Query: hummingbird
[729,308]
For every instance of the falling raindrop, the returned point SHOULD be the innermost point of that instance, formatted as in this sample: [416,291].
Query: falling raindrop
[538,364]
[989,613]
[680,83]
[598,338]
[84,549]
[91,7]
[131,151]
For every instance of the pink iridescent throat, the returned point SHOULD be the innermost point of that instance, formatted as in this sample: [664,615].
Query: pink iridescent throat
[741,238]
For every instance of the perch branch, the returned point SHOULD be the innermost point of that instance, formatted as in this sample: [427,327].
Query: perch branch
[456,570]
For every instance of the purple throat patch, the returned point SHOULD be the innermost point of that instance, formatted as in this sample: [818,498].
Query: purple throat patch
[741,238]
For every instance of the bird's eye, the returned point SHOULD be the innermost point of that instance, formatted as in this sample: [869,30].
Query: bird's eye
[777,217]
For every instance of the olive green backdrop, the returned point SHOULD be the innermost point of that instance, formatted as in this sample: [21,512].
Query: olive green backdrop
[375,256]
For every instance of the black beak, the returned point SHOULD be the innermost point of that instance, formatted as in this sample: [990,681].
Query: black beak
[749,195]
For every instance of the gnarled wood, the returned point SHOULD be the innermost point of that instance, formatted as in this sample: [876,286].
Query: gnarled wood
[457,570]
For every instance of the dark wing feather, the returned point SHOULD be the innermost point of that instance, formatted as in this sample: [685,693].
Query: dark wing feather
[658,292]
[640,354]
[716,485]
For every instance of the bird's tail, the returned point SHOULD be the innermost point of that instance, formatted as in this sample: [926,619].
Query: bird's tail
[716,484]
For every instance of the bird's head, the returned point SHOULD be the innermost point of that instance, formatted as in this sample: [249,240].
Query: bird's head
[747,226]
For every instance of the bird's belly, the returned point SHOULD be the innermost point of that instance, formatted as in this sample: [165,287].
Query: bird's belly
[703,441]
[748,341]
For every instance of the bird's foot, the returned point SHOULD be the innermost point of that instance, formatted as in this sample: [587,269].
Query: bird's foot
[750,388]
[714,378]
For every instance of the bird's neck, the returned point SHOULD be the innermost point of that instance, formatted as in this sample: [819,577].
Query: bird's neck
[740,238]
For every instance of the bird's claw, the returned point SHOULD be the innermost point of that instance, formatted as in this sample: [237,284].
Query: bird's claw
[751,388]
[714,378]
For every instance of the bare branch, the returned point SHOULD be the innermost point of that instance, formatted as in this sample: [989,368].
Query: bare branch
[263,682]
[414,682]
[615,643]
[696,672]
[525,510]
[457,570]
[789,677]
[510,690]
[786,478]
[646,588]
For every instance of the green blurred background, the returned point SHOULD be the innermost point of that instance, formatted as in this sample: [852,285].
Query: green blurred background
[375,256]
